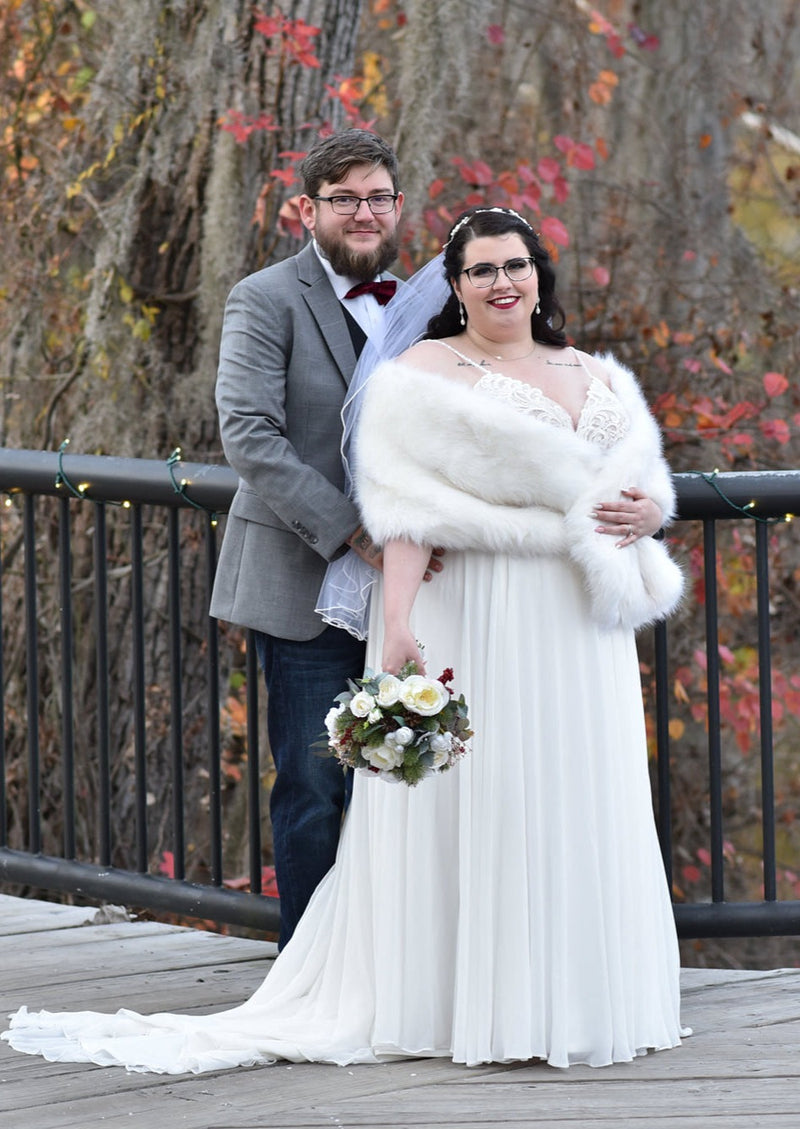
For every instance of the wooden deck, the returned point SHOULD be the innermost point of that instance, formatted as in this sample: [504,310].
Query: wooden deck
[739,1070]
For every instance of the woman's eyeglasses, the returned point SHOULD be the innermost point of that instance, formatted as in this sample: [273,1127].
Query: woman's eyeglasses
[484,274]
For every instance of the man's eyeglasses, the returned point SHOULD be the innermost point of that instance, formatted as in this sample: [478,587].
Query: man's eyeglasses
[484,274]
[378,204]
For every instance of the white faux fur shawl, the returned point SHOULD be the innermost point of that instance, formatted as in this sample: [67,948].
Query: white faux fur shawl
[440,464]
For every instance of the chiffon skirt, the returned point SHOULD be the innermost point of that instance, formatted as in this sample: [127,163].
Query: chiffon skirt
[513,907]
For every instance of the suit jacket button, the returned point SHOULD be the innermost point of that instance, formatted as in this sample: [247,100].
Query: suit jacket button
[313,539]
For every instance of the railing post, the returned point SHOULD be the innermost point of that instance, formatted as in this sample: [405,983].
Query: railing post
[213,711]
[712,694]
[101,651]
[139,696]
[176,692]
[253,766]
[67,716]
[32,677]
[664,821]
[765,712]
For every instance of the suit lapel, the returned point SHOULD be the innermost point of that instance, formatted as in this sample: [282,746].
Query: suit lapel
[326,309]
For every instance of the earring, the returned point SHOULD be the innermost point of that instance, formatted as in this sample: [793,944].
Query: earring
[461,314]
[537,309]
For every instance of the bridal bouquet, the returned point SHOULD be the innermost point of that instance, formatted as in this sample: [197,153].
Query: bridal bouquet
[400,728]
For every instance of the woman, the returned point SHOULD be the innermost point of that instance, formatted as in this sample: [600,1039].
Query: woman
[514,907]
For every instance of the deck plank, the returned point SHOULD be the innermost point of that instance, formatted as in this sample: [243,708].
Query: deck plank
[738,1071]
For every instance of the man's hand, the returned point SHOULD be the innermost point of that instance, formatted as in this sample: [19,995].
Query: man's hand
[362,544]
[434,564]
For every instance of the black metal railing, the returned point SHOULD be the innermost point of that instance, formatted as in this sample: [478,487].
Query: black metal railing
[165,513]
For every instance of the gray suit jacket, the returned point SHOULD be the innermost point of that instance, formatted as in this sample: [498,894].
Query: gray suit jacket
[286,358]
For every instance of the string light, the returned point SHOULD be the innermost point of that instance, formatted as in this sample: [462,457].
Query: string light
[62,479]
[747,510]
[180,487]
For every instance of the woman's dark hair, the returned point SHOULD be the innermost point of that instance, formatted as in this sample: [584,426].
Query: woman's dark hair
[548,325]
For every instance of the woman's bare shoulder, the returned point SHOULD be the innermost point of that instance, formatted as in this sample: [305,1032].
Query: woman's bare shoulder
[428,355]
[435,356]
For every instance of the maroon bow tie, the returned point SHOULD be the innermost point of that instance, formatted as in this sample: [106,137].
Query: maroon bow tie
[383,291]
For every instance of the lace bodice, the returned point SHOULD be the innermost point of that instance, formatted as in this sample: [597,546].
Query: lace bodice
[602,420]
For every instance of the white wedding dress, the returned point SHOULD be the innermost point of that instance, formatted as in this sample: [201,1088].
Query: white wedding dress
[514,907]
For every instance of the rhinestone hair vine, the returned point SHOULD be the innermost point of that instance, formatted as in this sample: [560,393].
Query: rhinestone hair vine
[466,219]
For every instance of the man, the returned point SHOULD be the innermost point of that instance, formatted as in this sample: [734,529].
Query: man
[290,341]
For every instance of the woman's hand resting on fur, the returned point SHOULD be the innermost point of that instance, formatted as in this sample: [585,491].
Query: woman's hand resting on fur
[632,516]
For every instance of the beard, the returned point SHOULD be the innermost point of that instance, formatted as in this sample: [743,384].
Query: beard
[362,265]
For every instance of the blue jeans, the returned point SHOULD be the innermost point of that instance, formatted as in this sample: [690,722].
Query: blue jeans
[310,791]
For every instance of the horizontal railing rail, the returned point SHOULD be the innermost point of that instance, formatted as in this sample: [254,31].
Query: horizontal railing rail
[178,502]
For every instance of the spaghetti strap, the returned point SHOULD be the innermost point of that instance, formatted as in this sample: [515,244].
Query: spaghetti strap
[463,356]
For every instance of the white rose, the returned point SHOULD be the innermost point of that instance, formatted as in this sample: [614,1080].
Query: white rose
[374,715]
[441,746]
[384,757]
[388,690]
[361,704]
[402,736]
[330,719]
[424,696]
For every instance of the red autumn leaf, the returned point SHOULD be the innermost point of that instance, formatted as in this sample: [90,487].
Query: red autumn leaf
[601,276]
[690,873]
[560,189]
[704,856]
[582,156]
[495,34]
[775,383]
[269,883]
[477,173]
[268,25]
[554,229]
[777,429]
[167,864]
[548,169]
[285,176]
[508,181]
[530,198]
[289,217]
[435,188]
[602,148]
